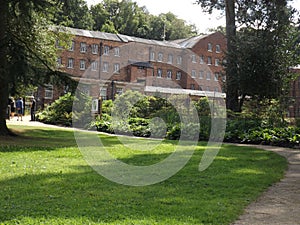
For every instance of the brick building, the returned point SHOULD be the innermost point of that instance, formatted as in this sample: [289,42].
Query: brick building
[108,64]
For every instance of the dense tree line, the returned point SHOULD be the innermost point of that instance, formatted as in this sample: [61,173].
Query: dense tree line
[124,17]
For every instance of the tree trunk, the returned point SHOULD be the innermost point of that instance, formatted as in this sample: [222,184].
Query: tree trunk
[4,91]
[232,97]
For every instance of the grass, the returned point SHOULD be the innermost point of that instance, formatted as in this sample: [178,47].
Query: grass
[45,180]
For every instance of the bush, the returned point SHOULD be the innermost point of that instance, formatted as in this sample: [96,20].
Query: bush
[61,112]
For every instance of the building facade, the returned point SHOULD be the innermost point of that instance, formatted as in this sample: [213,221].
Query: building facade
[107,64]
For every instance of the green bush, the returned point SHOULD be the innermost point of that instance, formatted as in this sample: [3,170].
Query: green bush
[61,111]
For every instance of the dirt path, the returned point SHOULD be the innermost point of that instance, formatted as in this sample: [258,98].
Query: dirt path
[280,204]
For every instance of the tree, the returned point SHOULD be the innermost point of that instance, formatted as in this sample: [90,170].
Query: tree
[74,13]
[27,47]
[262,48]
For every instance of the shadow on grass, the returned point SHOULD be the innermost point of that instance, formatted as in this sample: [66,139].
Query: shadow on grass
[215,196]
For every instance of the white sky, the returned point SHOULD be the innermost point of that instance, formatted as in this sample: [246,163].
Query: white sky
[186,10]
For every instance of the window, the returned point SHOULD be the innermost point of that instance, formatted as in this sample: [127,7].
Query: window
[82,47]
[193,86]
[105,67]
[201,74]
[218,49]
[160,57]
[94,48]
[209,60]
[119,91]
[116,68]
[72,46]
[216,76]
[117,51]
[58,44]
[59,62]
[94,66]
[179,60]
[170,58]
[178,75]
[201,59]
[70,63]
[193,73]
[169,74]
[208,88]
[208,76]
[194,59]
[217,62]
[200,88]
[48,91]
[209,47]
[82,64]
[159,72]
[103,93]
[152,56]
[216,89]
[106,50]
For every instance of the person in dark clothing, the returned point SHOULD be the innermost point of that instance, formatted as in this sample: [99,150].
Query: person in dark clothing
[32,109]
[20,108]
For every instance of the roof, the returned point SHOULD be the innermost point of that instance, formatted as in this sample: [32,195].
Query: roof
[180,43]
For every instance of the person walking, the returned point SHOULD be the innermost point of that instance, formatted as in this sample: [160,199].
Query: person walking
[32,109]
[12,107]
[20,107]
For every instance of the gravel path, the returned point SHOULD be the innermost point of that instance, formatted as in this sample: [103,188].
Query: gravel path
[279,205]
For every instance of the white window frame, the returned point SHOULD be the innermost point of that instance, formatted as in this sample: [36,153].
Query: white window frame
[82,64]
[83,47]
[202,59]
[106,50]
[179,60]
[193,74]
[217,76]
[70,63]
[105,66]
[95,48]
[169,74]
[194,59]
[116,68]
[209,60]
[160,57]
[59,62]
[94,66]
[117,51]
[201,74]
[48,91]
[159,73]
[218,48]
[217,62]
[208,75]
[178,75]
[152,56]
[209,47]
[103,93]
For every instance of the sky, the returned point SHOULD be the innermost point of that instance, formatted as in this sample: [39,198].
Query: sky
[186,10]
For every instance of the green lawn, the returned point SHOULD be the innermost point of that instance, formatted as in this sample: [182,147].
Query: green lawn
[45,180]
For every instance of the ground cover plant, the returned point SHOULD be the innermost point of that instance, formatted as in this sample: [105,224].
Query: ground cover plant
[45,180]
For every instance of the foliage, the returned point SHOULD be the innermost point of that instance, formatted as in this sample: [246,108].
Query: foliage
[27,53]
[259,54]
[61,112]
[126,17]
